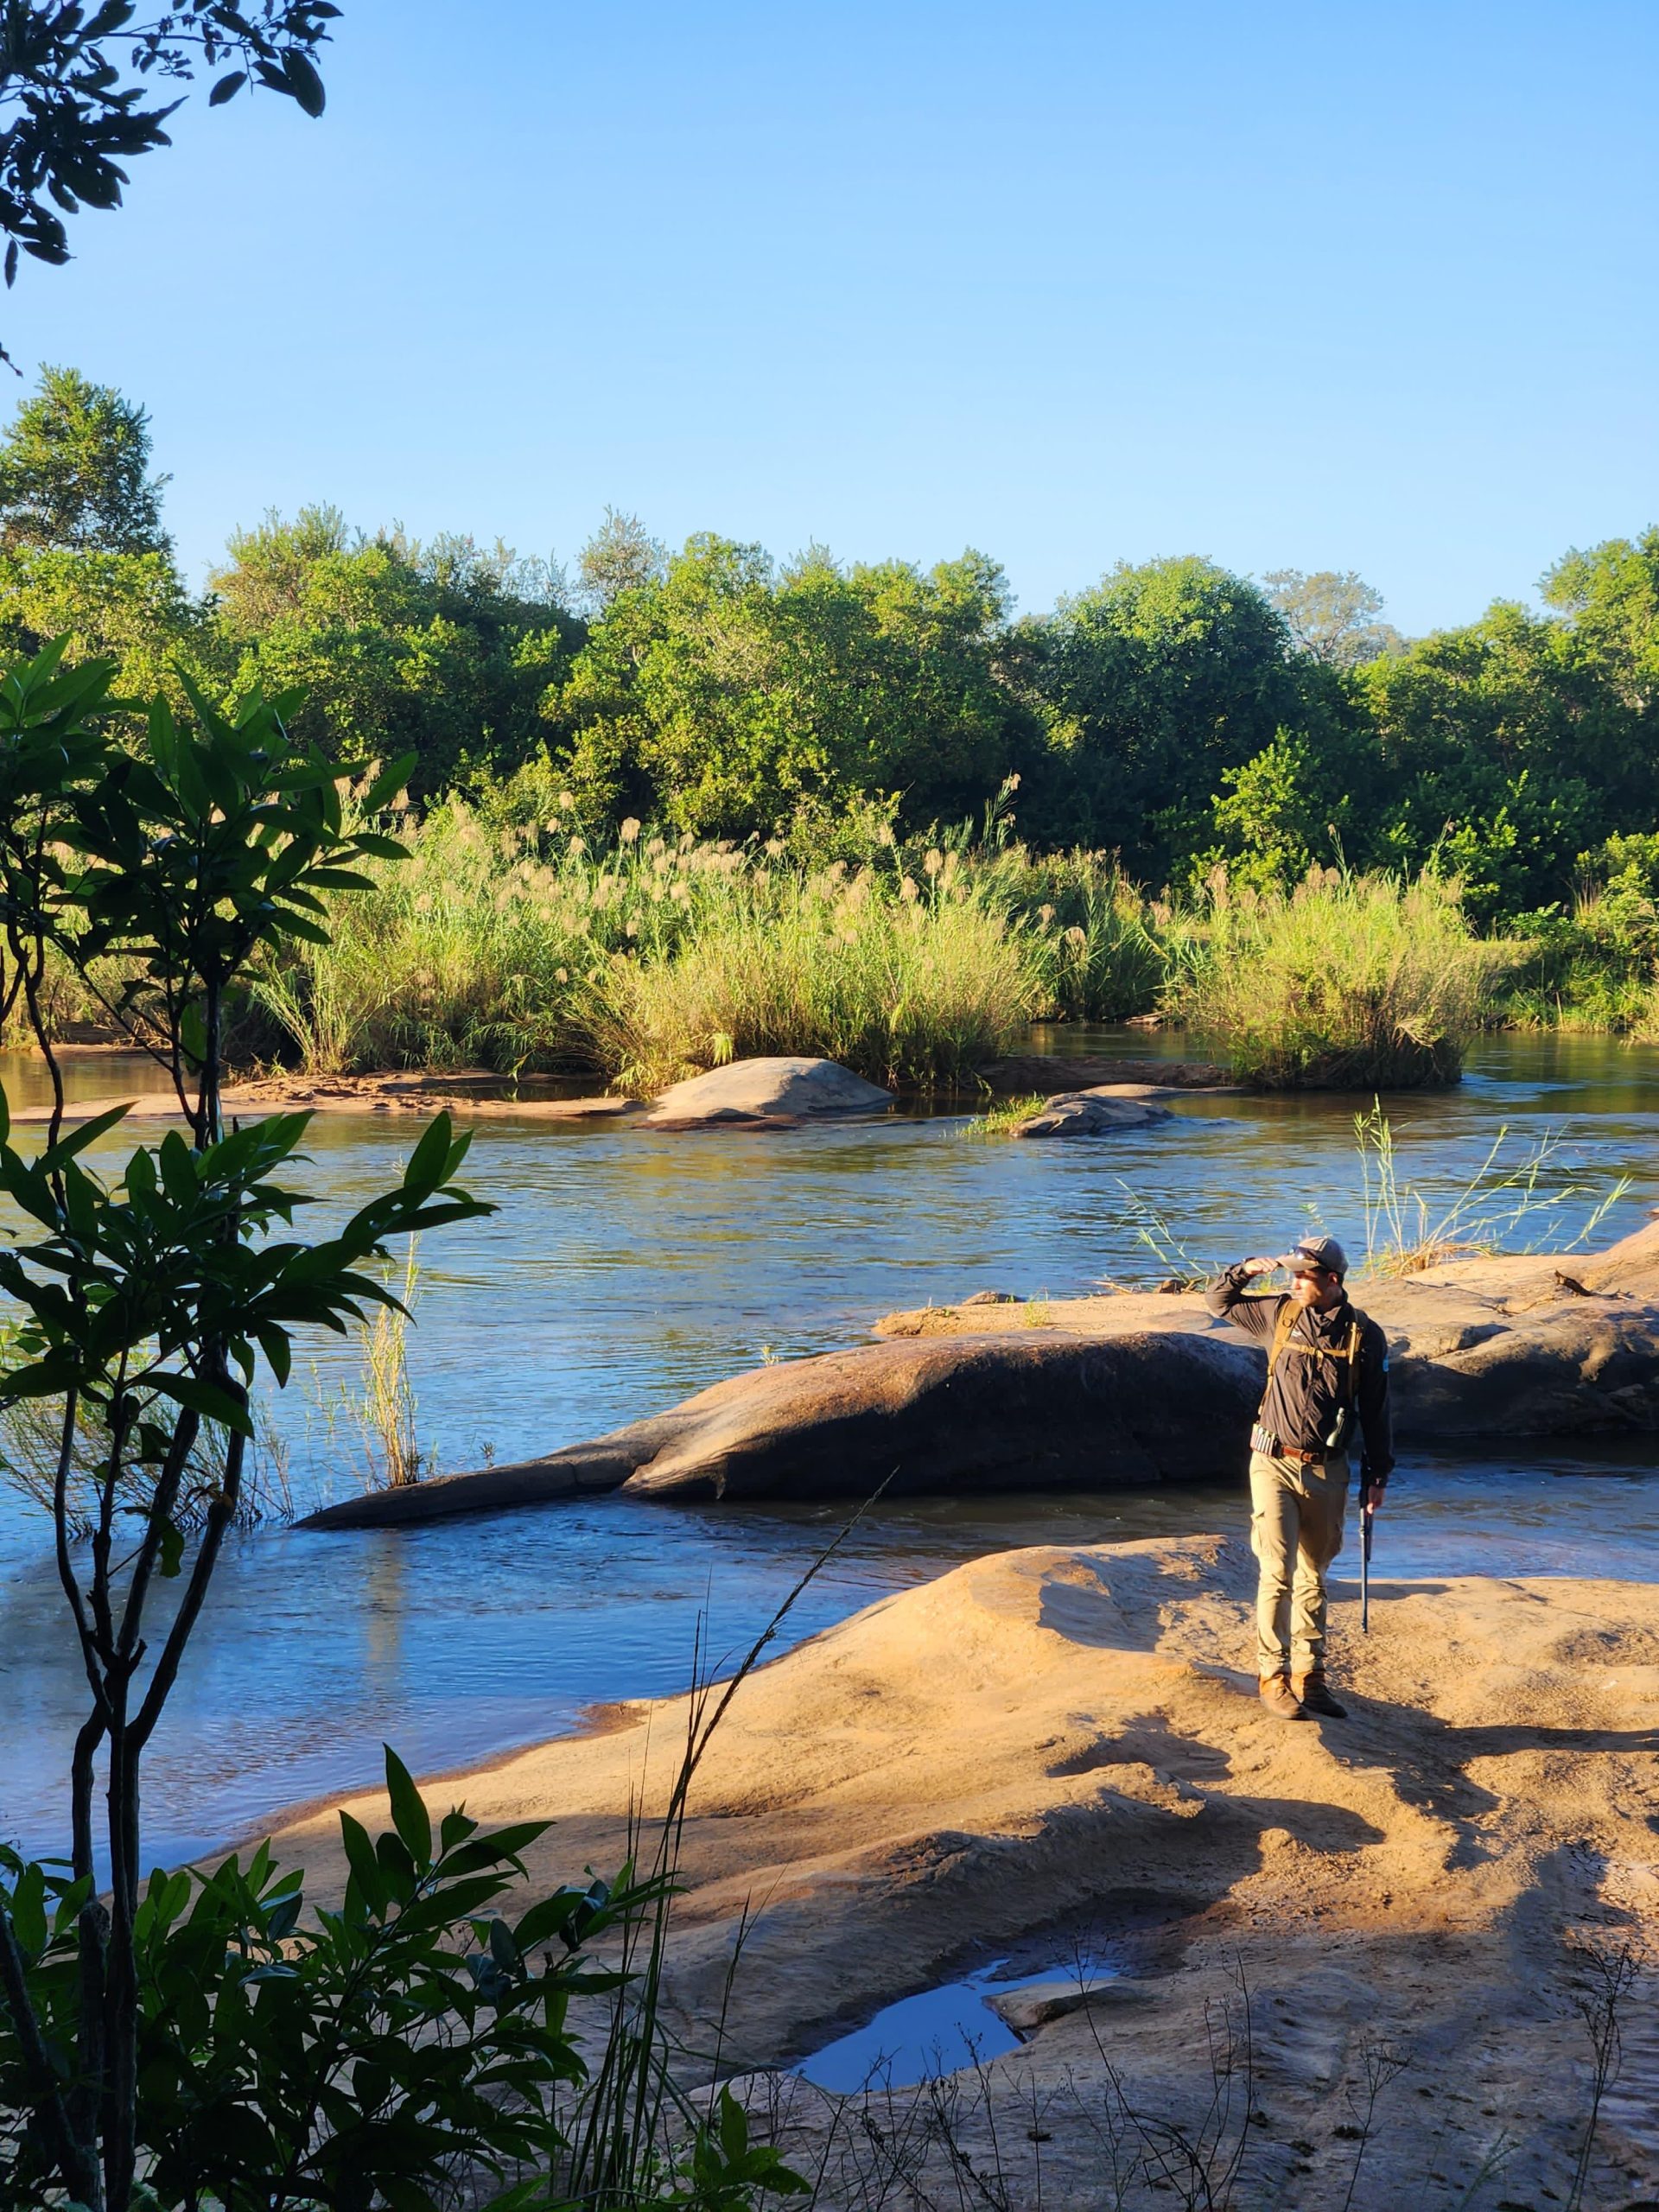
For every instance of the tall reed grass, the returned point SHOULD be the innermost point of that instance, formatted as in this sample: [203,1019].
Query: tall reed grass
[521,946]
[1350,981]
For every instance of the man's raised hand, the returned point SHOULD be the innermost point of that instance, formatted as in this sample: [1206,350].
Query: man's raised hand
[1259,1267]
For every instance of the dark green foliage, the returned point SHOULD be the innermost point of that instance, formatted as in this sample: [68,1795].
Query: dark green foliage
[1152,685]
[145,1299]
[724,693]
[400,2050]
[76,100]
[443,650]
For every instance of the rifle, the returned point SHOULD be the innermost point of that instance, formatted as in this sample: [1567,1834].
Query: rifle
[1365,1520]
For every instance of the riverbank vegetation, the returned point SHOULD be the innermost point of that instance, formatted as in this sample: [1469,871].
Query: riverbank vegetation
[672,806]
[521,948]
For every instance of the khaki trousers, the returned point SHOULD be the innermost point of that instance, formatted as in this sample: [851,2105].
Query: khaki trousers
[1295,1533]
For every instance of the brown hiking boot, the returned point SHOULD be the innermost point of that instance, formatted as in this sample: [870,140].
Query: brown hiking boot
[1280,1699]
[1316,1698]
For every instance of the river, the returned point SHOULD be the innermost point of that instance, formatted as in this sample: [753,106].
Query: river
[627,1269]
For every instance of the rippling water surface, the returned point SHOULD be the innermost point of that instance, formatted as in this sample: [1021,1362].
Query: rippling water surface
[626,1269]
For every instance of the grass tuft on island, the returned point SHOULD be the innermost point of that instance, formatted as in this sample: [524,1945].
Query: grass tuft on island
[1351,982]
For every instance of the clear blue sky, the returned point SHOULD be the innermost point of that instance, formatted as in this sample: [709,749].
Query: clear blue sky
[1312,285]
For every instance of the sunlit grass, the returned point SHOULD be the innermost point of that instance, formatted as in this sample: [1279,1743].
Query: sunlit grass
[645,958]
[1352,982]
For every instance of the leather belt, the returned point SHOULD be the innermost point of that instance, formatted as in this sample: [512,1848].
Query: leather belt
[1305,1458]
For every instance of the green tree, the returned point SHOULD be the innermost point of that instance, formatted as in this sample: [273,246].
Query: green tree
[1151,686]
[1301,799]
[432,650]
[728,693]
[129,608]
[83,554]
[621,556]
[1501,757]
[145,1301]
[76,95]
[74,471]
[1332,615]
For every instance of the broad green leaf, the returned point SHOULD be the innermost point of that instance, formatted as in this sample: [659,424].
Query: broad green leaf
[76,1140]
[204,1398]
[388,783]
[427,1160]
[408,1812]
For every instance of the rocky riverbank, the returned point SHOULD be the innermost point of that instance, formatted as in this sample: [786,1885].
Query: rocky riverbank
[1084,1393]
[1058,1751]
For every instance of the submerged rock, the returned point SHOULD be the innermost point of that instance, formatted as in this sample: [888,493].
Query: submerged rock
[775,1090]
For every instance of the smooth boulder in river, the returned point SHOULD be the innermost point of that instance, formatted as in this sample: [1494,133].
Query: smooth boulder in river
[1133,1389]
[1096,1113]
[778,1090]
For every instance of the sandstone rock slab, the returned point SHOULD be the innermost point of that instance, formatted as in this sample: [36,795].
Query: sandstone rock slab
[1067,1741]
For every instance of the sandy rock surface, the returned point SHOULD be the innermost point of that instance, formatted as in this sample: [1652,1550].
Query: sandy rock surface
[476,1092]
[777,1091]
[1055,1749]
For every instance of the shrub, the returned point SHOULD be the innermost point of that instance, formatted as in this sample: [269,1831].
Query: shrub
[1353,982]
[409,2047]
[1596,965]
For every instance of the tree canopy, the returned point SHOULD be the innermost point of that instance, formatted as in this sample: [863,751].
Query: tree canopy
[724,692]
[1175,712]
[74,471]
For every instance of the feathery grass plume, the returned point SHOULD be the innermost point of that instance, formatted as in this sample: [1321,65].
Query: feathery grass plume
[914,991]
[524,945]
[1353,982]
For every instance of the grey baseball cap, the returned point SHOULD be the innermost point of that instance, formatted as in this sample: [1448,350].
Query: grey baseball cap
[1309,1253]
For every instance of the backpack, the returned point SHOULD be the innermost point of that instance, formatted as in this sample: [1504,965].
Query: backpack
[1284,1341]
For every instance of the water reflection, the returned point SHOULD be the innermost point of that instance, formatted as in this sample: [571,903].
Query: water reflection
[626,1269]
[455,1640]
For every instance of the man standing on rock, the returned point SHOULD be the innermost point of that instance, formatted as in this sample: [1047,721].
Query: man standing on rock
[1327,1366]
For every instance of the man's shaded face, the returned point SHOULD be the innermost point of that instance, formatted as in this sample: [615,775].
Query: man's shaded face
[1315,1287]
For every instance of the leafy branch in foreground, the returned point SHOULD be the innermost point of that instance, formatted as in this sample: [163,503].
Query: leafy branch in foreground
[75,104]
[147,1298]
[406,2048]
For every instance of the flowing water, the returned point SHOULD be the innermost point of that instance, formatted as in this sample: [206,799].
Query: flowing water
[627,1269]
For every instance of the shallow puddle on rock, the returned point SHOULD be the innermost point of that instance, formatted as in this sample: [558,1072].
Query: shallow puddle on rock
[937,2031]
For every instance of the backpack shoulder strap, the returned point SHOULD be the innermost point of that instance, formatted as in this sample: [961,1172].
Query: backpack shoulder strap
[1351,1355]
[1281,1329]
